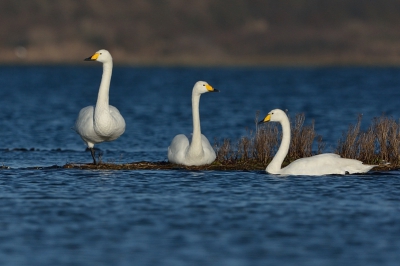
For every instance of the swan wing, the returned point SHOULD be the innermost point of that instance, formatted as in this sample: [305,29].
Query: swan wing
[84,126]
[118,123]
[84,120]
[209,153]
[177,149]
[325,164]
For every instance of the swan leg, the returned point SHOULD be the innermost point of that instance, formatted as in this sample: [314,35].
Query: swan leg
[92,152]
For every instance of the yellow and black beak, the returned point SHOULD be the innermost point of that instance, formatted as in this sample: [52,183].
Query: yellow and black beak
[92,58]
[210,88]
[265,120]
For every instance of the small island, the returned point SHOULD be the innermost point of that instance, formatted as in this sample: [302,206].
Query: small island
[378,145]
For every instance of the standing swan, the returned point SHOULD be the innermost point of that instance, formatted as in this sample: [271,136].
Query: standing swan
[102,122]
[199,151]
[322,164]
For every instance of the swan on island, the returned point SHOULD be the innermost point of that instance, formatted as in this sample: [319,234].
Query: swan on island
[102,122]
[198,151]
[322,164]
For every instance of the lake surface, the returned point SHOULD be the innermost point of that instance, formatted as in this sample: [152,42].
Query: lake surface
[55,216]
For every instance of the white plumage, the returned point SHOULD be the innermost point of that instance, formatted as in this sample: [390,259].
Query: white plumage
[198,151]
[102,122]
[322,164]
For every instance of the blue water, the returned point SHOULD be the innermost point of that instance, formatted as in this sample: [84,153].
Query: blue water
[55,216]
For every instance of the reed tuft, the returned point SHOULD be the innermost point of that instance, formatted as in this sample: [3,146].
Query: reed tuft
[379,144]
[260,146]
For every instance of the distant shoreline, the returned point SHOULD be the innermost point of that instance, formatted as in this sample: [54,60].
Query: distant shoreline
[328,61]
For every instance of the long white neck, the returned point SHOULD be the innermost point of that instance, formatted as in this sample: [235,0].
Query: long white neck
[275,166]
[196,148]
[103,96]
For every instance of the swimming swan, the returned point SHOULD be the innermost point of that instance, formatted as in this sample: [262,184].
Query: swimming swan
[199,151]
[102,122]
[322,164]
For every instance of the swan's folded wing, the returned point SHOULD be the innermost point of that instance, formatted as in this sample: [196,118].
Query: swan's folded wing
[177,149]
[325,164]
[343,165]
[209,152]
[119,121]
[84,122]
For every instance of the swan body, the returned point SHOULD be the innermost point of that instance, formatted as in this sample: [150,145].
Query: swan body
[102,122]
[198,150]
[322,164]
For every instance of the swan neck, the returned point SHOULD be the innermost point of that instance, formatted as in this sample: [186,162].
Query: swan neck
[195,145]
[276,163]
[103,96]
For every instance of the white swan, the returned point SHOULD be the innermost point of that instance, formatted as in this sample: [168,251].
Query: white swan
[102,122]
[322,164]
[198,151]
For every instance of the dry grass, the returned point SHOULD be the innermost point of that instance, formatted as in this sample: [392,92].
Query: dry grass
[302,139]
[379,145]
[259,147]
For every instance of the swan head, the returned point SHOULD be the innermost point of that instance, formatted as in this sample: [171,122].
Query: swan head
[203,87]
[275,115]
[102,56]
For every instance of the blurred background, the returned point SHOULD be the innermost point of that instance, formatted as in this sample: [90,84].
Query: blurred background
[206,32]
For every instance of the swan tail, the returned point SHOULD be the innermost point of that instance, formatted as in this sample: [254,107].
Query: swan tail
[359,168]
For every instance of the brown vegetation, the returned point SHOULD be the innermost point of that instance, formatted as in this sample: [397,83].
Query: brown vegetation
[379,144]
[259,147]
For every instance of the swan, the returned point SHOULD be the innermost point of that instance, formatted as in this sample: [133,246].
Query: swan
[198,151]
[322,164]
[102,122]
